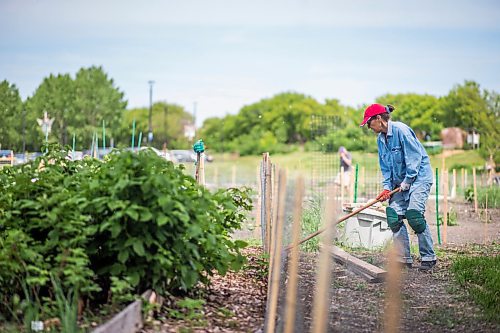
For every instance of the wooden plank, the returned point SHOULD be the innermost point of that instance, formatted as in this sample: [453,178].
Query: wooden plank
[357,264]
[129,320]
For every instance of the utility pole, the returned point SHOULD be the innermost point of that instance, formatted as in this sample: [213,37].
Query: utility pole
[150,121]
[194,118]
[24,130]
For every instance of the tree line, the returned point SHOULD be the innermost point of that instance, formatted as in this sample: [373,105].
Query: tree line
[286,121]
[281,123]
[80,106]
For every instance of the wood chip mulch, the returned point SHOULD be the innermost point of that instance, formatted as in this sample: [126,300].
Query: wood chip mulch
[232,303]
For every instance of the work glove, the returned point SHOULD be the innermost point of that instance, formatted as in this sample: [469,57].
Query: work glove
[404,186]
[199,147]
[384,195]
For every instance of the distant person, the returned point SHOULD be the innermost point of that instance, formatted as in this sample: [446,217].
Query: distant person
[405,164]
[346,163]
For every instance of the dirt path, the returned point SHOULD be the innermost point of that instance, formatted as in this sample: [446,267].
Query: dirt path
[431,301]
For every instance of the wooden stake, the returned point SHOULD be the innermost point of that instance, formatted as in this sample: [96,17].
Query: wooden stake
[233,176]
[291,291]
[363,179]
[475,189]
[454,186]
[276,262]
[462,183]
[393,304]
[267,204]
[216,177]
[445,206]
[258,223]
[485,236]
[342,185]
[323,280]
[201,170]
[351,185]
[465,179]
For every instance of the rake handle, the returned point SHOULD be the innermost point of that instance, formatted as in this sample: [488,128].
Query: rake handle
[351,214]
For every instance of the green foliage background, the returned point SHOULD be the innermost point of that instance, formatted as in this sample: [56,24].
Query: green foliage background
[279,124]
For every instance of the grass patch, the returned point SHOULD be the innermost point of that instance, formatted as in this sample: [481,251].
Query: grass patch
[479,276]
[493,194]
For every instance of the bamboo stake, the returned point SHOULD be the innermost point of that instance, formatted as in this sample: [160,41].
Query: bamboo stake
[465,179]
[485,235]
[323,279]
[351,186]
[445,206]
[257,207]
[462,183]
[454,186]
[342,185]
[363,179]
[342,219]
[267,203]
[475,189]
[291,291]
[392,296]
[233,176]
[275,278]
[216,177]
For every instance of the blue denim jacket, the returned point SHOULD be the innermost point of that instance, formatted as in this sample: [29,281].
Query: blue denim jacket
[402,157]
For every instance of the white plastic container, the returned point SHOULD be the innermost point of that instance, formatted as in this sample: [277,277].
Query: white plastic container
[368,229]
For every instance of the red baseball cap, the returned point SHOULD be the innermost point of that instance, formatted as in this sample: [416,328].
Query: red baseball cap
[373,110]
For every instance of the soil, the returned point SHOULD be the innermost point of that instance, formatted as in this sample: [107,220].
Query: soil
[431,302]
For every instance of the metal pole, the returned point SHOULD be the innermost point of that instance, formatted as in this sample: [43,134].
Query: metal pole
[356,184]
[150,121]
[24,131]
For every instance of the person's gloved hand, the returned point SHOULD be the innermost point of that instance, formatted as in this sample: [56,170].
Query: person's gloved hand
[384,195]
[404,186]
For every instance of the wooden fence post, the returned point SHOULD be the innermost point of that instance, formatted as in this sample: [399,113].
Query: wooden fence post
[275,272]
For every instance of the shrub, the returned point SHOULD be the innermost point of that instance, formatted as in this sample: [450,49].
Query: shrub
[133,217]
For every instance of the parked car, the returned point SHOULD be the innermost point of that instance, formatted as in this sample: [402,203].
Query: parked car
[165,154]
[183,156]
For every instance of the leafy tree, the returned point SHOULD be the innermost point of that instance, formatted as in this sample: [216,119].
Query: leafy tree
[97,99]
[422,113]
[168,122]
[467,107]
[56,96]
[11,114]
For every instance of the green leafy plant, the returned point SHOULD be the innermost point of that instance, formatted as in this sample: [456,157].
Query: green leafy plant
[188,309]
[479,275]
[119,226]
[311,222]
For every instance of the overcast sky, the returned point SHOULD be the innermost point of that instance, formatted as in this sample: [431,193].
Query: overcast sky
[225,54]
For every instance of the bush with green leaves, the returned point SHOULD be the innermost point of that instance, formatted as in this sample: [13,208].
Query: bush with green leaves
[133,217]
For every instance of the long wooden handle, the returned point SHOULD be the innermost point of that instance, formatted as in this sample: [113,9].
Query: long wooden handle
[351,214]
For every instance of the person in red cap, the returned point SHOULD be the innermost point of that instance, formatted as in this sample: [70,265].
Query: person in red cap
[405,164]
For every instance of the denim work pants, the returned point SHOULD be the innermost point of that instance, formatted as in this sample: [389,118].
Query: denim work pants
[415,198]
